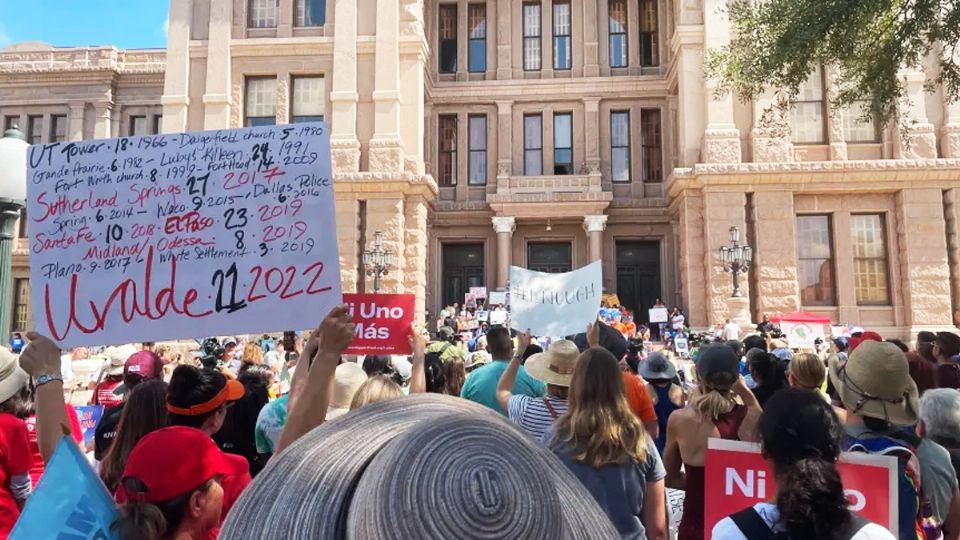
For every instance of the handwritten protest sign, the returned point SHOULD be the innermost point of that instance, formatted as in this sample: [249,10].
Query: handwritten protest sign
[658,315]
[478,292]
[554,304]
[497,316]
[182,235]
[383,322]
[737,476]
[69,502]
[497,298]
[89,416]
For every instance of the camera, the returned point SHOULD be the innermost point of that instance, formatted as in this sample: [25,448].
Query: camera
[211,353]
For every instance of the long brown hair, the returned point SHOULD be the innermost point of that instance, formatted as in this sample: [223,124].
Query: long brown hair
[145,412]
[599,425]
[454,375]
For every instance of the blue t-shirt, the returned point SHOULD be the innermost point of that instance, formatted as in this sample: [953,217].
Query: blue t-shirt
[481,385]
[618,488]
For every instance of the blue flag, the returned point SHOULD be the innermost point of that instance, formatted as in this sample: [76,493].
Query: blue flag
[70,502]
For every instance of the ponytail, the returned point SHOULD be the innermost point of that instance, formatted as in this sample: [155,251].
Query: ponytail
[713,403]
[810,499]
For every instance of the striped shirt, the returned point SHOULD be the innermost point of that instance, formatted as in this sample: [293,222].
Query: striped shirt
[533,415]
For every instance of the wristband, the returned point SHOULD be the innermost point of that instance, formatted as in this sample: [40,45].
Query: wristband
[44,379]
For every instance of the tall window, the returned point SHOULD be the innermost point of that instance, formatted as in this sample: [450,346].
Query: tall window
[308,99]
[447,166]
[815,257]
[478,150]
[651,140]
[264,13]
[561,36]
[806,114]
[563,143]
[156,123]
[649,34]
[531,37]
[310,12]
[58,128]
[857,128]
[462,268]
[532,144]
[618,33]
[21,303]
[620,146]
[448,38]
[10,121]
[261,103]
[35,129]
[870,259]
[477,51]
[138,126]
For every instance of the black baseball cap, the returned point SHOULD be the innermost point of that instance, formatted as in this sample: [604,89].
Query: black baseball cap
[718,365]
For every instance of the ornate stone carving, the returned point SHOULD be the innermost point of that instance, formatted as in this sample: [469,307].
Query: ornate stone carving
[770,149]
[595,223]
[236,97]
[283,100]
[950,141]
[385,156]
[918,142]
[721,146]
[504,224]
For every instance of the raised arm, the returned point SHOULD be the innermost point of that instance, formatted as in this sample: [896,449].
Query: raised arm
[41,359]
[309,406]
[509,377]
[418,376]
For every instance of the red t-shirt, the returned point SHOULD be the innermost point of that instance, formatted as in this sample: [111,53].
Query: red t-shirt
[103,393]
[36,470]
[233,486]
[640,402]
[15,458]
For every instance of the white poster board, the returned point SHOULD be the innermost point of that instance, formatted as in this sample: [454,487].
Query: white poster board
[554,304]
[497,316]
[801,335]
[495,298]
[681,347]
[478,292]
[481,315]
[182,235]
[659,315]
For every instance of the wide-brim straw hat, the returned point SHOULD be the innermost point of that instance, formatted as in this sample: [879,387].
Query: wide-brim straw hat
[875,381]
[425,466]
[555,365]
[657,367]
[12,376]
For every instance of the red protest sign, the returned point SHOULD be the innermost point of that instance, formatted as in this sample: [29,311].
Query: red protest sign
[383,323]
[736,476]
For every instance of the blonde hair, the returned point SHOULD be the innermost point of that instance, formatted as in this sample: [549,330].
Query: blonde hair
[599,425]
[808,371]
[712,403]
[253,353]
[374,390]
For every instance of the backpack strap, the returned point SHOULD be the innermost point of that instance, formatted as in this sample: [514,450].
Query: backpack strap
[550,409]
[752,525]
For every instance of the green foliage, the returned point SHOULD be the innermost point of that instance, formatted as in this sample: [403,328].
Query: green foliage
[777,43]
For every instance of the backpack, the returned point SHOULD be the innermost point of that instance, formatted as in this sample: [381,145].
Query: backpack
[902,445]
[753,527]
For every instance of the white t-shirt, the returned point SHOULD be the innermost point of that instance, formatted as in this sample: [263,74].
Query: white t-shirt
[677,321]
[731,331]
[726,529]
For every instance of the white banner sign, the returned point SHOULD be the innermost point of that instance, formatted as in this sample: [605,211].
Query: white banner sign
[801,335]
[658,315]
[498,316]
[497,298]
[182,235]
[555,305]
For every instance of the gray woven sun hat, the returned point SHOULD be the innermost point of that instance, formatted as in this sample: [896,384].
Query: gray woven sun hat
[425,466]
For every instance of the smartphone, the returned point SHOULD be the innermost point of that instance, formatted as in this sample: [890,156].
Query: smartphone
[289,340]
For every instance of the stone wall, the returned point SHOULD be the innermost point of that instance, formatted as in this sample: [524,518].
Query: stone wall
[923,258]
[721,211]
[775,257]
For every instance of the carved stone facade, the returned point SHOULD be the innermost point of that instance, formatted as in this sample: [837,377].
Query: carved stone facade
[543,162]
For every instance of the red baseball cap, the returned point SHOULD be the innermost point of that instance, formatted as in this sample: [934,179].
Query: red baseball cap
[866,336]
[145,364]
[173,461]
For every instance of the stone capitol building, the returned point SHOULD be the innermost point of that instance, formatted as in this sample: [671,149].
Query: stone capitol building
[545,134]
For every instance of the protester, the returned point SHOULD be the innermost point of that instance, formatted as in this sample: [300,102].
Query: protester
[110,379]
[448,345]
[269,425]
[173,486]
[15,455]
[76,433]
[374,390]
[237,435]
[436,381]
[659,372]
[767,372]
[946,347]
[875,388]
[481,385]
[731,331]
[608,450]
[17,342]
[713,412]
[144,412]
[139,367]
[923,371]
[808,372]
[475,360]
[553,368]
[841,344]
[348,377]
[801,438]
[940,421]
[454,376]
[677,319]
[198,398]
[925,341]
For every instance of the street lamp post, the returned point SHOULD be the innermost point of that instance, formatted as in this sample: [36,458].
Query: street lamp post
[13,195]
[736,259]
[377,260]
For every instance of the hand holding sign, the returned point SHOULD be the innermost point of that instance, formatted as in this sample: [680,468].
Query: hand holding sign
[40,357]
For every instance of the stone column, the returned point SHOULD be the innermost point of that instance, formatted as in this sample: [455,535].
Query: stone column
[348,239]
[344,146]
[595,225]
[463,38]
[546,39]
[504,49]
[722,211]
[770,136]
[386,153]
[504,226]
[75,122]
[591,107]
[216,96]
[115,118]
[721,140]
[415,252]
[101,127]
[692,98]
[285,19]
[176,78]
[924,266]
[775,254]
[834,116]
[387,215]
[283,98]
[951,210]
[950,133]
[591,44]
[492,14]
[691,260]
[920,140]
[504,142]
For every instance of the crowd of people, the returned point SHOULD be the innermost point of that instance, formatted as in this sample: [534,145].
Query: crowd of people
[183,437]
